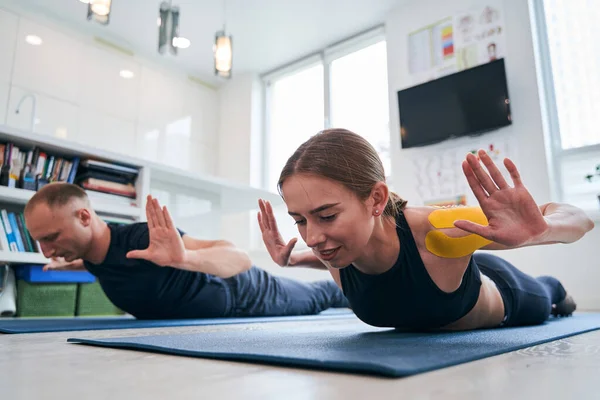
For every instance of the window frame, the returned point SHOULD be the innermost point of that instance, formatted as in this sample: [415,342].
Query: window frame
[555,153]
[324,56]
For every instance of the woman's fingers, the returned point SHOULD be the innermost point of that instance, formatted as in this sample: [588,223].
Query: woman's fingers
[482,176]
[263,220]
[474,183]
[271,217]
[513,171]
[493,170]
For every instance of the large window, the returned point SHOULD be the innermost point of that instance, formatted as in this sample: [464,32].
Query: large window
[572,34]
[344,86]
[359,97]
[295,113]
[569,50]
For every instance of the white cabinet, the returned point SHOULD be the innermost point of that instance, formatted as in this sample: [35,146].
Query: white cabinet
[177,122]
[4,92]
[110,84]
[161,100]
[202,106]
[106,132]
[52,68]
[203,159]
[94,95]
[53,117]
[8,36]
[148,142]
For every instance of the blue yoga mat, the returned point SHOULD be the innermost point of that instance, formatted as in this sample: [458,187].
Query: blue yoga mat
[37,325]
[350,346]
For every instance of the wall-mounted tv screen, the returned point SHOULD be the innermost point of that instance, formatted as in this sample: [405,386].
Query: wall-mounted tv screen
[468,102]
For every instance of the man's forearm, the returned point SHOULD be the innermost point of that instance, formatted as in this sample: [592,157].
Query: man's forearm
[306,258]
[222,261]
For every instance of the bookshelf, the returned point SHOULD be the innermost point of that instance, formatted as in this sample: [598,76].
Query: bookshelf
[22,196]
[227,197]
[234,197]
[9,257]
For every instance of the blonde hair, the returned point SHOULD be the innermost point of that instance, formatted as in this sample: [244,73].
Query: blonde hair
[56,194]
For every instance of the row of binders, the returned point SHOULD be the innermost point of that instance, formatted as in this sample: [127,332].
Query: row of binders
[14,235]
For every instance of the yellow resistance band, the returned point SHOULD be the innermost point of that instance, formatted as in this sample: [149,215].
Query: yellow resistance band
[442,245]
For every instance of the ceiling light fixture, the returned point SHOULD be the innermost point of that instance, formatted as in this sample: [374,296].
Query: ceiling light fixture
[223,49]
[127,74]
[181,42]
[33,40]
[168,28]
[223,52]
[99,11]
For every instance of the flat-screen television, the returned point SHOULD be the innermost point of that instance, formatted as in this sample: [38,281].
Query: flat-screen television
[468,102]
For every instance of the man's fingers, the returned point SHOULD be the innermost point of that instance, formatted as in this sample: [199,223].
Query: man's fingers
[137,254]
[160,219]
[150,212]
[167,216]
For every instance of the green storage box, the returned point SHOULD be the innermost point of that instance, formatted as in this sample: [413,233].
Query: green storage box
[91,301]
[46,299]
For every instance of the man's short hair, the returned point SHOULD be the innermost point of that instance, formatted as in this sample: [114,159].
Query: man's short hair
[56,194]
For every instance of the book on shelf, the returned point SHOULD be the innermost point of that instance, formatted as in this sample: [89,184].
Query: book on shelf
[110,198]
[107,178]
[127,190]
[33,167]
[109,167]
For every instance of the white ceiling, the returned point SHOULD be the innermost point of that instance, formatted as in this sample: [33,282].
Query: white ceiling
[266,33]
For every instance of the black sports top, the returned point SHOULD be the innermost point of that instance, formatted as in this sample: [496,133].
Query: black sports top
[405,296]
[148,291]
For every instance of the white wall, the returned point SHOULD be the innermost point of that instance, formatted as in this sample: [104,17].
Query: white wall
[235,156]
[574,264]
[159,114]
[240,160]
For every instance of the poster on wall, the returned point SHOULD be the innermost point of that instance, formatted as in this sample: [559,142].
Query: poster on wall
[439,177]
[469,38]
[479,36]
[432,50]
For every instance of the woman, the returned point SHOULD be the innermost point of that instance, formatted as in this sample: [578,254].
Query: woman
[416,267]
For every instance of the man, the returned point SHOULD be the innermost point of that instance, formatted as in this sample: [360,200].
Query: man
[154,271]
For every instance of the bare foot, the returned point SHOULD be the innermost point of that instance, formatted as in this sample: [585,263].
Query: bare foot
[565,308]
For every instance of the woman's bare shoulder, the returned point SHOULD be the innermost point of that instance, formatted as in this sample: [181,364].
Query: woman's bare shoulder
[445,272]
